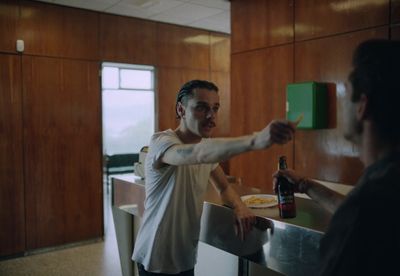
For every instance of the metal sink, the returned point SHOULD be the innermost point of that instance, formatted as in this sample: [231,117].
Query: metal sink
[218,229]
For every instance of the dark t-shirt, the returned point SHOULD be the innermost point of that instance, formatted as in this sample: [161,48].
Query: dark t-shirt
[363,237]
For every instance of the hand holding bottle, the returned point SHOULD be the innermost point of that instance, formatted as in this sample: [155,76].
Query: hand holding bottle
[299,183]
[285,191]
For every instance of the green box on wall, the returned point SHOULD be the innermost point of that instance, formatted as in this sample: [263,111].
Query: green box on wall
[309,99]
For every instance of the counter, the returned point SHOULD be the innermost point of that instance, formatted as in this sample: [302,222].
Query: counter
[287,246]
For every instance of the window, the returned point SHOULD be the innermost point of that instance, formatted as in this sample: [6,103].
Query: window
[128,107]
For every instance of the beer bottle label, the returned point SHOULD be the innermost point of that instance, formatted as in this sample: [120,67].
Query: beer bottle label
[286,199]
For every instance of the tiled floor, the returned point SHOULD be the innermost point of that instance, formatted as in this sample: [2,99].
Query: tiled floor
[94,259]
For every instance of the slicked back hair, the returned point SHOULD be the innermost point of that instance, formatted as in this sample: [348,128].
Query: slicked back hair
[187,90]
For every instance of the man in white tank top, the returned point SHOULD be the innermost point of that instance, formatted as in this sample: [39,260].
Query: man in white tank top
[178,166]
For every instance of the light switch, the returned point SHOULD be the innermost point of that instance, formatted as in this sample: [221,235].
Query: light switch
[20,46]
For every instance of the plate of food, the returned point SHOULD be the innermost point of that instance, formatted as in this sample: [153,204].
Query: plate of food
[260,200]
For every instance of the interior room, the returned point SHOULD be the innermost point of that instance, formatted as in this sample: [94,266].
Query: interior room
[65,210]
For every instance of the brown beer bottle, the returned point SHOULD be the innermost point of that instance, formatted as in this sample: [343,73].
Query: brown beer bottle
[285,190]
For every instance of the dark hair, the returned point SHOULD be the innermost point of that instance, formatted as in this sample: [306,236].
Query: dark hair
[186,90]
[376,74]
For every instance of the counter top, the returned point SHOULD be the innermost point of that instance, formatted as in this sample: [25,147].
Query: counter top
[288,246]
[310,215]
[128,194]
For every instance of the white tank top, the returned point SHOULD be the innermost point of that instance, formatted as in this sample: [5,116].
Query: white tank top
[169,233]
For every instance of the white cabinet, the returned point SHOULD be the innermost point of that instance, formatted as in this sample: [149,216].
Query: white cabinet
[213,261]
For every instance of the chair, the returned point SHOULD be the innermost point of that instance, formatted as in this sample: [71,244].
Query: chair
[119,164]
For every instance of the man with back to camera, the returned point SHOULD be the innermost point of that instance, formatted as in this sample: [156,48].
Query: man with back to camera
[178,167]
[363,237]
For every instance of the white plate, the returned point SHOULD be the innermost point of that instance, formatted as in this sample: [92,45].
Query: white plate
[271,200]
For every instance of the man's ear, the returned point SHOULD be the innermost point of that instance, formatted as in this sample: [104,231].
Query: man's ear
[362,108]
[180,109]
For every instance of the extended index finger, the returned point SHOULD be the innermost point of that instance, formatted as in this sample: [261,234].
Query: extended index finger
[298,119]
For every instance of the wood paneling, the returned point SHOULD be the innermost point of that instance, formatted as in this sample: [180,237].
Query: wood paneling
[395,16]
[220,50]
[261,23]
[170,81]
[51,30]
[60,131]
[9,14]
[314,18]
[182,47]
[62,147]
[325,154]
[258,96]
[222,80]
[12,217]
[220,75]
[342,24]
[127,39]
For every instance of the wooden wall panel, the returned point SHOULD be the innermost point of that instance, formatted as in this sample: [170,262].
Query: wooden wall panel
[51,30]
[182,47]
[220,50]
[314,18]
[395,12]
[9,14]
[220,75]
[258,96]
[170,81]
[223,129]
[321,154]
[125,39]
[61,107]
[222,80]
[325,154]
[261,23]
[12,216]
[62,147]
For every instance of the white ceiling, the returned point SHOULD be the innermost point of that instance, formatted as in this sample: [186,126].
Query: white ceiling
[204,14]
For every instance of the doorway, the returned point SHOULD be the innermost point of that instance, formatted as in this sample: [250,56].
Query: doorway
[128,104]
[128,121]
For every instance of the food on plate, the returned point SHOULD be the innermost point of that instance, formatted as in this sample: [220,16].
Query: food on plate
[256,200]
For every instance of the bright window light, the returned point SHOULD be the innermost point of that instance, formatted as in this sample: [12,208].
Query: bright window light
[110,78]
[128,109]
[136,79]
